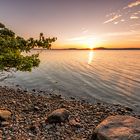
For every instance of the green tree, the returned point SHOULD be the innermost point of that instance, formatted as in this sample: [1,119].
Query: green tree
[14,50]
[45,42]
[2,25]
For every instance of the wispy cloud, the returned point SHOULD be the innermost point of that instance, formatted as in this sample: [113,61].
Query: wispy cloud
[125,13]
[112,19]
[80,38]
[85,31]
[86,39]
[122,33]
[122,20]
[133,25]
[111,14]
[133,4]
[136,13]
[116,22]
[134,17]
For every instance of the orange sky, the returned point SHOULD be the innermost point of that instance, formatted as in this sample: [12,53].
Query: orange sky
[76,23]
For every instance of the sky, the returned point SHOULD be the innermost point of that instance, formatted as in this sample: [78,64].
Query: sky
[76,23]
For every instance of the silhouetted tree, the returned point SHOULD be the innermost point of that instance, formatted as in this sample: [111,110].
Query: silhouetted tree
[2,25]
[12,48]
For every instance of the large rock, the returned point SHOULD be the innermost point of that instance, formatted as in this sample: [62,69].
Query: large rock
[118,128]
[5,115]
[58,116]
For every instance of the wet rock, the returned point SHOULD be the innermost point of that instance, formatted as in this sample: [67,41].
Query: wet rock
[121,110]
[25,90]
[33,90]
[58,116]
[129,109]
[98,103]
[118,128]
[5,115]
[72,98]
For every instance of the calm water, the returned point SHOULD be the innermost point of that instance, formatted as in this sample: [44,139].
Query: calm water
[110,76]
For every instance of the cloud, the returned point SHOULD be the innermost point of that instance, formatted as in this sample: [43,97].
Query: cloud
[136,13]
[122,33]
[75,39]
[112,19]
[86,39]
[134,17]
[133,25]
[80,38]
[124,13]
[122,20]
[116,22]
[111,14]
[85,31]
[133,4]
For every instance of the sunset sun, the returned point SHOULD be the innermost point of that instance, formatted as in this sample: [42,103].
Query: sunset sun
[90,43]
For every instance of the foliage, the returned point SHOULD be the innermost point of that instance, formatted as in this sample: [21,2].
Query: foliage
[14,49]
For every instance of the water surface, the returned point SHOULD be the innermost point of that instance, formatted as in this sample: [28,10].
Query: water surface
[110,76]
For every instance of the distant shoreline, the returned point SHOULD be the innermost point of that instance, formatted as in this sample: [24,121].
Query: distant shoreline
[100,48]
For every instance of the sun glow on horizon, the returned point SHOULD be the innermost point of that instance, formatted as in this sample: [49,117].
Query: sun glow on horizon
[86,41]
[90,44]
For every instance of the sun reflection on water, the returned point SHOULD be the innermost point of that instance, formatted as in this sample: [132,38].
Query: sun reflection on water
[90,57]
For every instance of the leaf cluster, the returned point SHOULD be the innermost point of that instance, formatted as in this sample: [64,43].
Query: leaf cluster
[12,48]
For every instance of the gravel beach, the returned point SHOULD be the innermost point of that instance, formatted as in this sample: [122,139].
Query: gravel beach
[29,113]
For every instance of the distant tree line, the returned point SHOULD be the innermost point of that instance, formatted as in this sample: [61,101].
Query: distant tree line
[12,48]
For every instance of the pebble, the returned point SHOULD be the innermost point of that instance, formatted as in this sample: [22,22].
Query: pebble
[27,116]
[5,115]
[74,123]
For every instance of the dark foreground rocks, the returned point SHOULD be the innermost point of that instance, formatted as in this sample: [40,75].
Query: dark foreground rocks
[28,115]
[118,128]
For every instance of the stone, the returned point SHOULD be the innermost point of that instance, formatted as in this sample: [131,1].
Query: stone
[72,98]
[74,123]
[118,127]
[0,134]
[36,108]
[129,109]
[5,115]
[33,129]
[4,124]
[33,90]
[58,116]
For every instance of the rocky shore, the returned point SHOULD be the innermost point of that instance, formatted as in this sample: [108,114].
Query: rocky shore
[31,116]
